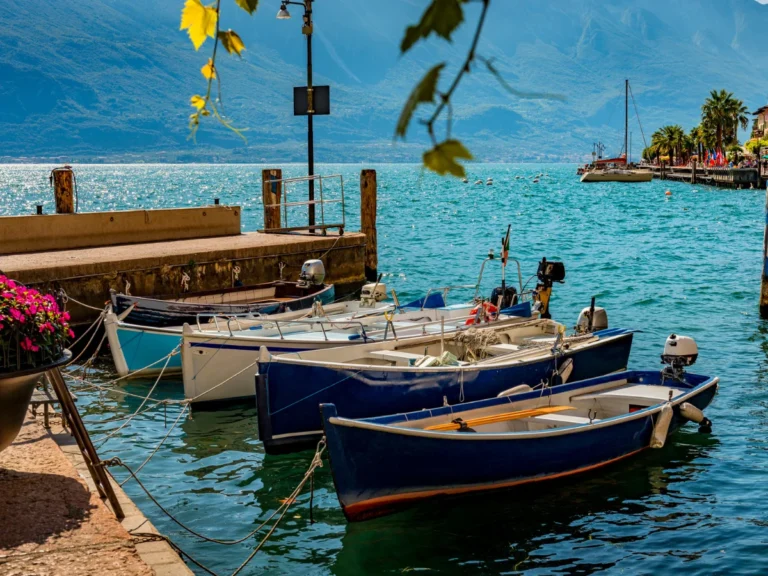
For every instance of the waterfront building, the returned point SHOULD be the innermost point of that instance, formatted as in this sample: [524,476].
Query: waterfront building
[760,127]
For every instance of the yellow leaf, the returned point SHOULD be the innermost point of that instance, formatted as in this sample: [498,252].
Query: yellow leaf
[442,158]
[232,42]
[209,71]
[248,5]
[199,21]
[197,101]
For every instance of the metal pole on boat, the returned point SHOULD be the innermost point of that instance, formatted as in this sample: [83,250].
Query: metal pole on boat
[442,336]
[764,281]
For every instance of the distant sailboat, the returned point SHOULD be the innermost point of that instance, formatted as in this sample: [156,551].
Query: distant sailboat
[609,169]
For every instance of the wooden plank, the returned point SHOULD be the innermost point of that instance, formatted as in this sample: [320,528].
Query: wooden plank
[503,417]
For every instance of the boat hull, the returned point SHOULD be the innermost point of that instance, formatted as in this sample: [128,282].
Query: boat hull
[288,394]
[166,313]
[142,350]
[378,469]
[624,176]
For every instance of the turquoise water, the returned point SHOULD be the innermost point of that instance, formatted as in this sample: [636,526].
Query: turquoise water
[688,263]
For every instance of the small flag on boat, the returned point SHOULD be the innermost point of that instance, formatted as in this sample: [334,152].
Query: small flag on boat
[505,247]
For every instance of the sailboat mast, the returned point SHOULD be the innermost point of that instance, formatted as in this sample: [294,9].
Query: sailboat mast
[626,117]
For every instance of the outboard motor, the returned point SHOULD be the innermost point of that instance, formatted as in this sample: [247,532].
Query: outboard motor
[372,293]
[508,297]
[679,352]
[312,273]
[548,273]
[598,317]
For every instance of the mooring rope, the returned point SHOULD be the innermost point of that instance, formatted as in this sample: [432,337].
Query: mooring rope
[104,439]
[282,509]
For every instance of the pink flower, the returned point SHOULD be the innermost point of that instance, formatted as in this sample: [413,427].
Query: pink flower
[65,316]
[70,333]
[18,316]
[29,345]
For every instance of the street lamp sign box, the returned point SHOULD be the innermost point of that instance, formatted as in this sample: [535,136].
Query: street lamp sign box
[320,101]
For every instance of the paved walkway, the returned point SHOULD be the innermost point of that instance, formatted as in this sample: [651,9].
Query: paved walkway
[52,523]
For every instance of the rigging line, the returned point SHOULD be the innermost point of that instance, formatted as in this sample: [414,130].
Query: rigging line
[178,418]
[634,104]
[316,463]
[104,440]
[175,547]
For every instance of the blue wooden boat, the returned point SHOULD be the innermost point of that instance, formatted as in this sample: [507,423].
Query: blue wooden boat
[382,464]
[388,377]
[176,309]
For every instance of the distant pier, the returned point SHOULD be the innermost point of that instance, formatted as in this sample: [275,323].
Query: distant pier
[721,176]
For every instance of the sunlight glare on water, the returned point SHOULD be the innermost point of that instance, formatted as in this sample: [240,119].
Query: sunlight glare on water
[687,263]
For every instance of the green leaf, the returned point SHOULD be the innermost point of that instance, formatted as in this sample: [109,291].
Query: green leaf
[232,42]
[441,17]
[248,5]
[423,92]
[442,158]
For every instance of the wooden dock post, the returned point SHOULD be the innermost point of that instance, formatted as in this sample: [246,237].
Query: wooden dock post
[271,191]
[693,172]
[63,182]
[368,222]
[764,281]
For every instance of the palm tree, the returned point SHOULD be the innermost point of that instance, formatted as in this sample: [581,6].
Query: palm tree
[722,114]
[670,141]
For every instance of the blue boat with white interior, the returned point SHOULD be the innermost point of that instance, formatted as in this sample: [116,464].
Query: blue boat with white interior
[382,464]
[426,372]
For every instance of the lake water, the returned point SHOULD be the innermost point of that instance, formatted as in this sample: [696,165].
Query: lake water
[687,263]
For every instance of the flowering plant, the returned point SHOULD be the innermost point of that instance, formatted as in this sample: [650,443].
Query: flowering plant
[33,330]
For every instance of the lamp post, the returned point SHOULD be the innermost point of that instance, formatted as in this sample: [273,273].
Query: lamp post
[306,29]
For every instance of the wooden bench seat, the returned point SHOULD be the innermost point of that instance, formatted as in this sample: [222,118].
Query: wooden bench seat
[637,394]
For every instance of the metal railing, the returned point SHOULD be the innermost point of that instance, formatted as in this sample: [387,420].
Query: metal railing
[284,204]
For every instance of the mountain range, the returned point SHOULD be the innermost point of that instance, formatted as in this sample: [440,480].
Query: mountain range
[110,80]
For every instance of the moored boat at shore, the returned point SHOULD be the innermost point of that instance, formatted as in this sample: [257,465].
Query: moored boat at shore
[427,372]
[382,464]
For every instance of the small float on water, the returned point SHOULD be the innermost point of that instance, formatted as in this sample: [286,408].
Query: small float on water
[478,182]
[489,182]
[525,436]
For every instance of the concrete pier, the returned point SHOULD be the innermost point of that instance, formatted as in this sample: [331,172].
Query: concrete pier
[157,268]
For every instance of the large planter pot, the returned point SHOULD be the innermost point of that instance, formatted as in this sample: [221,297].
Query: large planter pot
[16,390]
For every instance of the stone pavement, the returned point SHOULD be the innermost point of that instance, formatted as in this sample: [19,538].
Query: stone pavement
[53,523]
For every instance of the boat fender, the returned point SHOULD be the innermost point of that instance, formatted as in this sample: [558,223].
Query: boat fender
[462,426]
[516,390]
[661,428]
[690,412]
[490,312]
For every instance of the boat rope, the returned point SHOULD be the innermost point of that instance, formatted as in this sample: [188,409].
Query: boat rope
[67,298]
[148,536]
[315,393]
[151,454]
[282,509]
[104,439]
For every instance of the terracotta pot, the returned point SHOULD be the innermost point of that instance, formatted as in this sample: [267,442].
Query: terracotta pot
[16,390]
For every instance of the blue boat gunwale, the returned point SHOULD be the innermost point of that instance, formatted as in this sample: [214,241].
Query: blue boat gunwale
[606,336]
[376,424]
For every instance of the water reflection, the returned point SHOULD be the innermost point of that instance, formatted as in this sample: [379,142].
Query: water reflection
[544,526]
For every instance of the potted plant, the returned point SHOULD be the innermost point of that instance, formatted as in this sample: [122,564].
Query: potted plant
[33,337]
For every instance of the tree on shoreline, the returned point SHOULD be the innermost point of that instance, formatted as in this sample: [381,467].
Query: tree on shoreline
[722,114]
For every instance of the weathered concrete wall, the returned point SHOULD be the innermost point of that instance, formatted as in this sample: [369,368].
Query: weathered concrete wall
[156,269]
[24,234]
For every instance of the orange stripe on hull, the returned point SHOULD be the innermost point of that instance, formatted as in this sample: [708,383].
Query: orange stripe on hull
[383,505]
